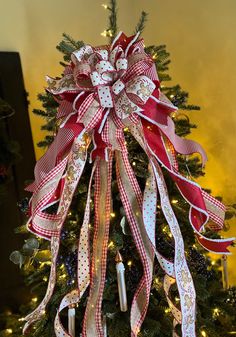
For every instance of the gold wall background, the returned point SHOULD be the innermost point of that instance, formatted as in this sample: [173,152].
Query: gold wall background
[200,35]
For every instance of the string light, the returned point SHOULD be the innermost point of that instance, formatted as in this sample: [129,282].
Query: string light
[174,201]
[9,331]
[154,57]
[129,263]
[216,312]
[46,263]
[164,229]
[104,33]
[172,96]
[63,276]
[34,299]
[45,278]
[113,214]
[104,6]
[167,310]
[111,244]
[134,163]
[203,333]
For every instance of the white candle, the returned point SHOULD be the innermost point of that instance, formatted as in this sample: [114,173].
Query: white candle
[120,270]
[71,321]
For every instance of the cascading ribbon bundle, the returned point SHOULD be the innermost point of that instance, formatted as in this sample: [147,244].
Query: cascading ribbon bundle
[104,90]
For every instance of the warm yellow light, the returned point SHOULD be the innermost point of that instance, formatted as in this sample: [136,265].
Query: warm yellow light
[154,56]
[164,229]
[134,163]
[213,263]
[126,129]
[113,214]
[167,310]
[203,333]
[34,299]
[129,263]
[174,201]
[172,96]
[111,244]
[104,6]
[156,280]
[45,278]
[216,311]
[21,319]
[9,331]
[104,33]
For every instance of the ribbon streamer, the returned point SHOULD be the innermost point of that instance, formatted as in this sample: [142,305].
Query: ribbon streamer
[103,91]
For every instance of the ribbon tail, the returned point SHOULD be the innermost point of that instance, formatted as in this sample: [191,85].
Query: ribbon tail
[75,295]
[183,277]
[131,198]
[74,171]
[92,325]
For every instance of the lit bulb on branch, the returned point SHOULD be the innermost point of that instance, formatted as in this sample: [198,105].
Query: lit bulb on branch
[9,331]
[111,244]
[129,263]
[104,6]
[216,312]
[34,300]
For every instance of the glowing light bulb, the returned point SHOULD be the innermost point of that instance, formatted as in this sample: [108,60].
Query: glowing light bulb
[34,299]
[104,33]
[203,333]
[167,310]
[174,201]
[111,244]
[129,263]
[134,163]
[113,214]
[104,6]
[216,312]
[9,331]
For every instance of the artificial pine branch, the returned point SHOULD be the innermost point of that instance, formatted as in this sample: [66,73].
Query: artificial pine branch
[68,45]
[141,24]
[112,28]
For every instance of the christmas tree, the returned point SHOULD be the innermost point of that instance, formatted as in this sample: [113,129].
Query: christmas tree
[215,302]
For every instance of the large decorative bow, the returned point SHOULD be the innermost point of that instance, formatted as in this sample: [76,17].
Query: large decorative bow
[103,91]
